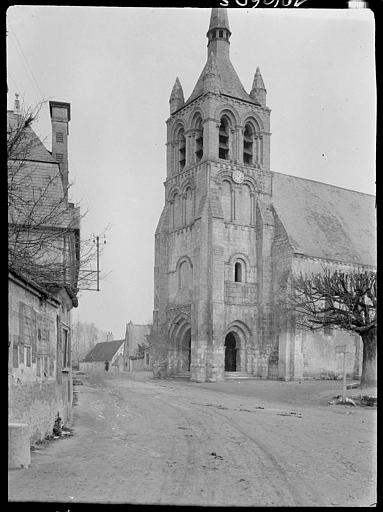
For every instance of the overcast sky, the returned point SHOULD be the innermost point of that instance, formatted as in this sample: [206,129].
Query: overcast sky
[117,66]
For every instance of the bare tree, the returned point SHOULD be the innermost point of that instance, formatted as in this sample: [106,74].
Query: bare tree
[343,300]
[84,337]
[43,227]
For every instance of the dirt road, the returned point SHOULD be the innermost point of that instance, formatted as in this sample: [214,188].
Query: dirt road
[143,441]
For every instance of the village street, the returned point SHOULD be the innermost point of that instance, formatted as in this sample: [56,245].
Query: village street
[248,443]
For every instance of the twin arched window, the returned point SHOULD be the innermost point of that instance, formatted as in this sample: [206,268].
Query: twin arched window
[194,153]
[238,205]
[252,151]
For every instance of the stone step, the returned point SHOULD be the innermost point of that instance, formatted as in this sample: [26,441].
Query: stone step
[182,375]
[238,375]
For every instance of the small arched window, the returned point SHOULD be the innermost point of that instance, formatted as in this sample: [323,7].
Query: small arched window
[223,147]
[248,144]
[238,272]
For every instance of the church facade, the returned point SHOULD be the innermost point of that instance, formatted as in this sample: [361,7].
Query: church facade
[232,230]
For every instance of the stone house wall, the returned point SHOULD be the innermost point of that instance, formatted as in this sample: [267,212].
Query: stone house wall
[38,385]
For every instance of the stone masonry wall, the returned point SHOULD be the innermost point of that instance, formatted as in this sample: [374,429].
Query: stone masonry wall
[35,395]
[37,405]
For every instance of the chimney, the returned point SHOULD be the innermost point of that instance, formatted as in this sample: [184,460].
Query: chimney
[17,104]
[60,117]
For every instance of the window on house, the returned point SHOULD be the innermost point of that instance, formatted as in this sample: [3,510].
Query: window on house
[51,366]
[248,145]
[45,366]
[59,137]
[21,354]
[221,33]
[223,148]
[59,157]
[66,349]
[15,356]
[28,356]
[238,272]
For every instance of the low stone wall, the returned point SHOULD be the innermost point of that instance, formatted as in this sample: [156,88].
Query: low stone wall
[320,359]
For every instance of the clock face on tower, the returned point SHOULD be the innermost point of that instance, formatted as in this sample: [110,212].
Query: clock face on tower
[238,176]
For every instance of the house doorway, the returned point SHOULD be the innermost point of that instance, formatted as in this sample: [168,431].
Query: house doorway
[230,353]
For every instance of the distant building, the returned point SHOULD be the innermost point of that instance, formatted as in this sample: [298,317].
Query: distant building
[232,230]
[39,307]
[105,356]
[137,353]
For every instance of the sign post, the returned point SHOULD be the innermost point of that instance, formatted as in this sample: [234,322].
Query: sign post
[341,349]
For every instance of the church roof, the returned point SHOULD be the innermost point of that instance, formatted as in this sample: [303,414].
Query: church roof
[230,82]
[30,147]
[325,221]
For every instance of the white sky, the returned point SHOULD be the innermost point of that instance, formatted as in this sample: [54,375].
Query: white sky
[116,66]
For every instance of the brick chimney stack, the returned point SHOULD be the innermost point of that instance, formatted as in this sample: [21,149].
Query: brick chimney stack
[17,104]
[60,117]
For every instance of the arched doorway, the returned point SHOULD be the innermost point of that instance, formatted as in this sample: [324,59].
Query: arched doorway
[179,350]
[230,353]
[186,351]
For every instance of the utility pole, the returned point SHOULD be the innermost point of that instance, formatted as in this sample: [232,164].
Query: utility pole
[96,240]
[98,263]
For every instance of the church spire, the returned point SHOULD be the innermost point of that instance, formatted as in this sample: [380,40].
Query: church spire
[258,90]
[177,96]
[219,19]
[224,79]
[219,32]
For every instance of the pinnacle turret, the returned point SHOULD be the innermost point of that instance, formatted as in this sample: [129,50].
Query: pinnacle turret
[258,90]
[177,96]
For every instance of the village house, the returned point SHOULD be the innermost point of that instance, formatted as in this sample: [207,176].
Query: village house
[137,354]
[231,232]
[40,303]
[105,356]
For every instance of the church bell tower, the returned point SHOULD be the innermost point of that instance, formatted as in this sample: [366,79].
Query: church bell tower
[212,291]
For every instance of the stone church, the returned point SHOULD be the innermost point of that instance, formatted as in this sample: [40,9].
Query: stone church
[232,230]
